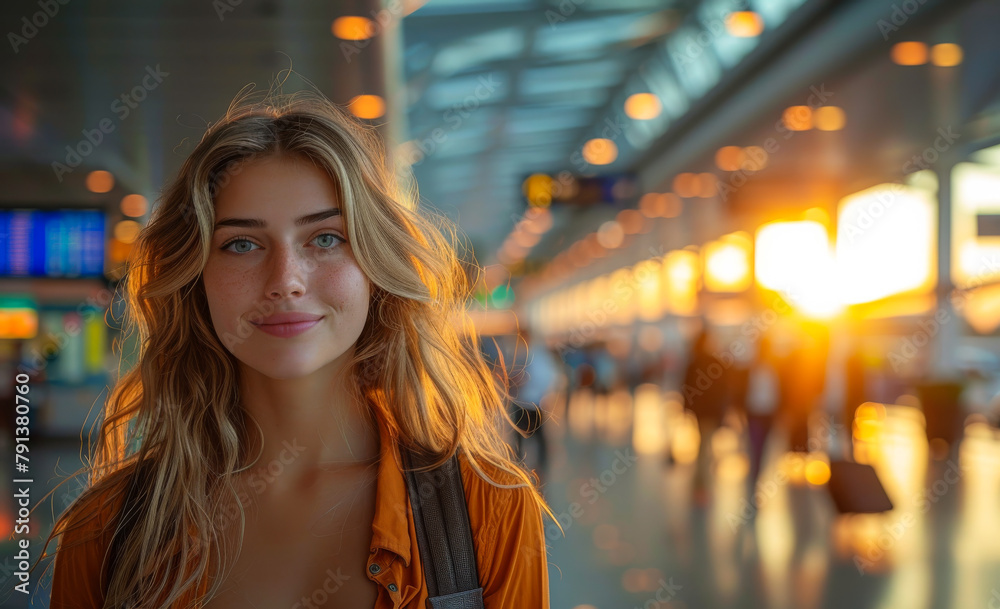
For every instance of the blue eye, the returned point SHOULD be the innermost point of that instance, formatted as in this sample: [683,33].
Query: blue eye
[327,243]
[239,250]
[244,245]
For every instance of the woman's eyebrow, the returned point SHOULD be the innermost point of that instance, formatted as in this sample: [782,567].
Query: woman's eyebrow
[258,223]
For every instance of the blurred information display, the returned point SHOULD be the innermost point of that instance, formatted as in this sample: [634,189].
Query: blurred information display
[56,243]
[541,190]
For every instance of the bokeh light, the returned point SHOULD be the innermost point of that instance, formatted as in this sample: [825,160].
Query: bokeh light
[744,24]
[134,205]
[600,151]
[909,53]
[946,55]
[353,28]
[643,106]
[829,118]
[730,158]
[798,118]
[100,181]
[367,106]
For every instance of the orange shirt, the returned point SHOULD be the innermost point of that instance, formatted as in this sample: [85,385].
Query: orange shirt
[506,529]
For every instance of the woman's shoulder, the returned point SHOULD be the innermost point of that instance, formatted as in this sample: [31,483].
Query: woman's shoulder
[500,501]
[91,518]
[506,520]
[84,540]
[493,482]
[97,505]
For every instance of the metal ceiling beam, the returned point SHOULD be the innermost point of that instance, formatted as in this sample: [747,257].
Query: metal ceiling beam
[772,72]
[541,62]
[516,18]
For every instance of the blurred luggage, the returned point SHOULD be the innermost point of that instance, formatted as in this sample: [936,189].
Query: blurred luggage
[856,489]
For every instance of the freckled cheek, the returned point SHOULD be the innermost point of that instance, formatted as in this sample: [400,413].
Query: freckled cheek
[226,292]
[345,287]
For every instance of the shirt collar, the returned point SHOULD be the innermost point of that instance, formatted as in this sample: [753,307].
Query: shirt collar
[391,525]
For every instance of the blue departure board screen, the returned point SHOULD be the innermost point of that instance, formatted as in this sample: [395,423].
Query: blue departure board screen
[52,243]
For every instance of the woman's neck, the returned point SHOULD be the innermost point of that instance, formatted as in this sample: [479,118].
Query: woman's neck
[309,424]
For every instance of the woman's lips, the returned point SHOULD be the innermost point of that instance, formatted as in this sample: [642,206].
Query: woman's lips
[288,330]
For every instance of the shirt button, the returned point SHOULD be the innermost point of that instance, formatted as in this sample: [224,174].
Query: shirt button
[392,588]
[374,568]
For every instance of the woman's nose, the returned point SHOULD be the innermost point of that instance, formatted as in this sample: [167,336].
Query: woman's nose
[288,273]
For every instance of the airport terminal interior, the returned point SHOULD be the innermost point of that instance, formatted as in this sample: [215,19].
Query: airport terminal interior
[736,261]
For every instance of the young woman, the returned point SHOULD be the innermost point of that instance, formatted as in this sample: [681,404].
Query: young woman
[300,323]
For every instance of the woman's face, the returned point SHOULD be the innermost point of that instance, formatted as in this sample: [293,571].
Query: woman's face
[285,292]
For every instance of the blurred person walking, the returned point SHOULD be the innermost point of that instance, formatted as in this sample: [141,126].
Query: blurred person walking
[806,382]
[705,392]
[534,385]
[763,394]
[605,369]
[579,374]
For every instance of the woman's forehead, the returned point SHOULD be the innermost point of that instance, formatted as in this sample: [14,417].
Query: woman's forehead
[278,187]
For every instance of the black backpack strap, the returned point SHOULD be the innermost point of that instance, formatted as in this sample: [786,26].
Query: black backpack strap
[441,518]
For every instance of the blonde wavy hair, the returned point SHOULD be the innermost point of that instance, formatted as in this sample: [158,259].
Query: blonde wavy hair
[177,412]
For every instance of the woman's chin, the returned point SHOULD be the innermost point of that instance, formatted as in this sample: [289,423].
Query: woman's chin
[283,370]
[290,364]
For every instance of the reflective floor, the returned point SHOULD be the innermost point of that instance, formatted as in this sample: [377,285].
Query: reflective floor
[636,538]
